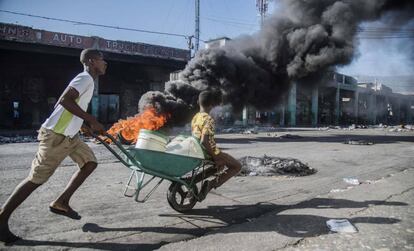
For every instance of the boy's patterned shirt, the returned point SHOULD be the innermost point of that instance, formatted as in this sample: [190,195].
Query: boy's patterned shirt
[204,124]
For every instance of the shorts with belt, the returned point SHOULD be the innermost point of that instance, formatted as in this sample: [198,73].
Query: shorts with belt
[53,149]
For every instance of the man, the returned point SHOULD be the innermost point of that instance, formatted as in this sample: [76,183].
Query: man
[59,138]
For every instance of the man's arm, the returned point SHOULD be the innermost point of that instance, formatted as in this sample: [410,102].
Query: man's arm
[68,101]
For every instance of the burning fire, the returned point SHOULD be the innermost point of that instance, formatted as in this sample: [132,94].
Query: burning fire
[129,128]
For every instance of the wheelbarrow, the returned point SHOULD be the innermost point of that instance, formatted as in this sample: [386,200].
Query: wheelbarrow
[183,172]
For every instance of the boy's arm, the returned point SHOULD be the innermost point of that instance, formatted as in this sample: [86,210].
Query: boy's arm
[205,141]
[217,157]
[68,101]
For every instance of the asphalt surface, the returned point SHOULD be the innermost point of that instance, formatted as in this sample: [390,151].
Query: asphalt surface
[247,213]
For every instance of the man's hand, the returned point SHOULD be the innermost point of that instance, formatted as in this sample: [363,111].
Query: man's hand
[85,130]
[96,127]
[92,127]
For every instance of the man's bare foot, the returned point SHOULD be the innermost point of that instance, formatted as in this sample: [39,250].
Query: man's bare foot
[6,235]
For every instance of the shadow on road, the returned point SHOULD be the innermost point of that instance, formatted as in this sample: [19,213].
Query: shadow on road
[91,245]
[219,218]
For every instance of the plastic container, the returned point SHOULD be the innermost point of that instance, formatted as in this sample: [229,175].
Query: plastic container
[185,146]
[151,140]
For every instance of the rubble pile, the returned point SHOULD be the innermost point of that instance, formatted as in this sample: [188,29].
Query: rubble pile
[397,128]
[247,130]
[358,142]
[272,166]
[401,128]
[17,139]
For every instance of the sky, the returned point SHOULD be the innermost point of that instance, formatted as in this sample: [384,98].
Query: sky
[218,18]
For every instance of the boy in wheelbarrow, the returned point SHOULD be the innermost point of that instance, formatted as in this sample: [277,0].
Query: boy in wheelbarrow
[203,127]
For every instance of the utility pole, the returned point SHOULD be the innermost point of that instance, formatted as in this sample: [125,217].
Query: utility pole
[261,6]
[197,25]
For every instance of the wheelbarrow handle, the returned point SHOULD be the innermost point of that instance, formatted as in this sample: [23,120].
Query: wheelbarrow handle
[120,147]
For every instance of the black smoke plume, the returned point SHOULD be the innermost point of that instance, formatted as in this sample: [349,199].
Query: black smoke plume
[301,41]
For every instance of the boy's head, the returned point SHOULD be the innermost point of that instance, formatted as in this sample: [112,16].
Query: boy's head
[93,59]
[209,98]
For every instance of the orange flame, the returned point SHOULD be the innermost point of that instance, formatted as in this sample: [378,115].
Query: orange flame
[129,128]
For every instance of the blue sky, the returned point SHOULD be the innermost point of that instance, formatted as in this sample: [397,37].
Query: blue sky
[229,18]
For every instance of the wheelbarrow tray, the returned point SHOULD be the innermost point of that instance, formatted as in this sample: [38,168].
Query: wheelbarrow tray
[170,165]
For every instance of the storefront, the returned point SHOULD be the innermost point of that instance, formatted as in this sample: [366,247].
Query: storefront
[37,65]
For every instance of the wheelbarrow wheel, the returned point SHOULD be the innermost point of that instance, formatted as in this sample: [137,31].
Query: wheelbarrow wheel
[180,198]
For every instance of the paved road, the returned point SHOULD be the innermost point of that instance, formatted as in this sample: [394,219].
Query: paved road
[248,213]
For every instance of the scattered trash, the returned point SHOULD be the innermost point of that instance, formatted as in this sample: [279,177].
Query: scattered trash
[398,128]
[339,190]
[341,226]
[29,139]
[290,136]
[230,130]
[17,139]
[358,142]
[352,181]
[271,166]
[370,181]
[251,131]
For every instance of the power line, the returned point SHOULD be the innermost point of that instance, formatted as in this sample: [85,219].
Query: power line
[229,21]
[385,33]
[385,37]
[97,25]
[364,33]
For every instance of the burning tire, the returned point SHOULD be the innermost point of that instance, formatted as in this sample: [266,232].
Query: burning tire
[180,198]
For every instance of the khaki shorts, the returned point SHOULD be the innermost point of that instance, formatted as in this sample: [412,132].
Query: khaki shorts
[53,149]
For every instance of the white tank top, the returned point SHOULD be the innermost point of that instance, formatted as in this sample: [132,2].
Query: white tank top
[62,121]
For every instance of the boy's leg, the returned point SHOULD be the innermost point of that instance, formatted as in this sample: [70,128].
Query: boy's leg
[20,194]
[233,168]
[62,202]
[87,162]
[48,157]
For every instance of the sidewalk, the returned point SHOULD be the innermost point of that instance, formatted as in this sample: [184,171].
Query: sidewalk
[381,211]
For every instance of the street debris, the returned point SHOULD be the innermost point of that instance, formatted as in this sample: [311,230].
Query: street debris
[247,130]
[250,131]
[17,139]
[30,139]
[290,136]
[339,190]
[352,181]
[271,166]
[341,226]
[358,142]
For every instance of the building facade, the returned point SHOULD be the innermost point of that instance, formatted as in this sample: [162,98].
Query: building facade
[340,100]
[37,65]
